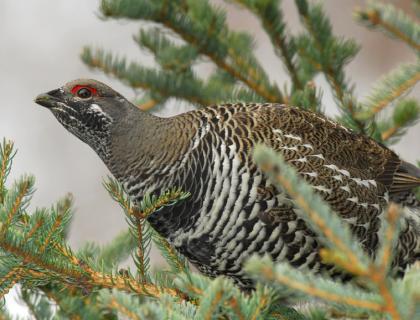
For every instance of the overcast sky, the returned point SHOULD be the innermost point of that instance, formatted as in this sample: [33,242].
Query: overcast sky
[40,45]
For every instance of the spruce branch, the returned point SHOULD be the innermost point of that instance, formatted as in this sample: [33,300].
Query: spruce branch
[168,309]
[149,100]
[212,297]
[142,260]
[7,281]
[416,7]
[308,98]
[6,156]
[52,231]
[34,253]
[204,28]
[172,57]
[390,88]
[152,204]
[143,233]
[138,230]
[206,294]
[380,269]
[165,83]
[271,17]
[64,207]
[408,292]
[316,286]
[329,55]
[117,250]
[116,192]
[149,105]
[81,275]
[406,114]
[391,21]
[69,303]
[177,262]
[58,270]
[16,200]
[224,88]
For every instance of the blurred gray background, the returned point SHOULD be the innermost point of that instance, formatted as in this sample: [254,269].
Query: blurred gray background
[40,43]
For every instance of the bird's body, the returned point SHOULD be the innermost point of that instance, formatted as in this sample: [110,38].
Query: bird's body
[234,211]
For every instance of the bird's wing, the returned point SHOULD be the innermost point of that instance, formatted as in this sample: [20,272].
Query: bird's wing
[318,146]
[351,172]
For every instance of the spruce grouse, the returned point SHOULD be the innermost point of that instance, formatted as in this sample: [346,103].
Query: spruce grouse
[233,211]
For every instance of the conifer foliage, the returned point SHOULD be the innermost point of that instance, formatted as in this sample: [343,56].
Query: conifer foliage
[61,283]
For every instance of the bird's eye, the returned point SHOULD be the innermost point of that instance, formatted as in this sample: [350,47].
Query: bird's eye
[84,93]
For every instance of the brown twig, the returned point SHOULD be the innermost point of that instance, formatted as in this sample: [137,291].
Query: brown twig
[215,301]
[335,257]
[13,277]
[170,249]
[378,272]
[55,226]
[118,196]
[261,305]
[148,105]
[380,105]
[389,133]
[7,152]
[39,223]
[23,189]
[236,309]
[140,251]
[162,201]
[136,215]
[140,216]
[375,19]
[389,301]
[322,294]
[85,276]
[392,217]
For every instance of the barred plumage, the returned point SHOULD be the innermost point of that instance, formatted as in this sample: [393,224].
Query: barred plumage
[234,211]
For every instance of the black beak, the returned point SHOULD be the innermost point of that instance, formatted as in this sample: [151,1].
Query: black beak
[49,99]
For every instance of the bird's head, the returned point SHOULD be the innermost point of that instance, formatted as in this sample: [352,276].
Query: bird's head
[88,109]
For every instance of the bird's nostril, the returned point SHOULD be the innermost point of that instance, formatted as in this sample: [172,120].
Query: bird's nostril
[54,93]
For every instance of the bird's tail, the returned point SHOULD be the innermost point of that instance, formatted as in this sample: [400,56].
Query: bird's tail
[405,178]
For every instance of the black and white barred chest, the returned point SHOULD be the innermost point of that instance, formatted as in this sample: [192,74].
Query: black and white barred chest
[220,226]
[222,223]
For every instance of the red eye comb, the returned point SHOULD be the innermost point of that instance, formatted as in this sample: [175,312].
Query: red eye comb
[76,88]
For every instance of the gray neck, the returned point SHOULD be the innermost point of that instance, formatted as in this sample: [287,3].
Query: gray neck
[142,145]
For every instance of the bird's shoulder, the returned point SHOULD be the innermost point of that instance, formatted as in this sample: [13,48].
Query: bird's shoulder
[299,134]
